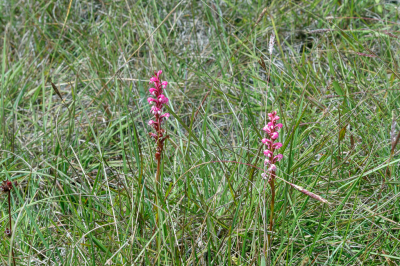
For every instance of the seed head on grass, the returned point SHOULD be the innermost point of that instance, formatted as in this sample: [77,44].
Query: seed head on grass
[271,43]
[309,193]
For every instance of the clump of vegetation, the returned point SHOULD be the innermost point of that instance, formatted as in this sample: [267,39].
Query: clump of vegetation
[92,189]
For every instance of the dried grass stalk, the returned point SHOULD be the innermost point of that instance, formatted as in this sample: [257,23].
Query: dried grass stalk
[261,15]
[393,134]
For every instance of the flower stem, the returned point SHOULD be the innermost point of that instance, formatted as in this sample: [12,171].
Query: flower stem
[158,173]
[158,158]
[267,243]
[158,170]
[271,216]
[9,217]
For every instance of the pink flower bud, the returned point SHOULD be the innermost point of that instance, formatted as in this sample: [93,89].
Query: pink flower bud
[164,84]
[153,79]
[272,115]
[159,73]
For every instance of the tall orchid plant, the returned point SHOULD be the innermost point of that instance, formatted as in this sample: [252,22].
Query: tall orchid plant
[270,168]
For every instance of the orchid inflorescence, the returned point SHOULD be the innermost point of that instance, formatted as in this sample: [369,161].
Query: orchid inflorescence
[158,102]
[272,129]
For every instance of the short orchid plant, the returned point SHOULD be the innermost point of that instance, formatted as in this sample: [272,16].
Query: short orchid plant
[6,187]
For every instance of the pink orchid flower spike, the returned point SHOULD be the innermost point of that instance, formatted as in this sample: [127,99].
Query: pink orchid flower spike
[158,102]
[272,129]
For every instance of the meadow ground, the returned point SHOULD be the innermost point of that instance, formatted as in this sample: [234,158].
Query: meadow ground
[84,162]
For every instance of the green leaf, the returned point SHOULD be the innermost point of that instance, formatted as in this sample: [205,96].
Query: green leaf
[337,88]
[342,133]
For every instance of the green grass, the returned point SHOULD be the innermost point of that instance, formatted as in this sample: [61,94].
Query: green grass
[85,163]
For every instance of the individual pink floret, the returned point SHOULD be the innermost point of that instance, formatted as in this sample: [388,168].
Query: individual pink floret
[268,153]
[274,135]
[272,168]
[166,116]
[151,100]
[153,91]
[155,110]
[153,79]
[267,129]
[276,145]
[267,142]
[278,157]
[162,99]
